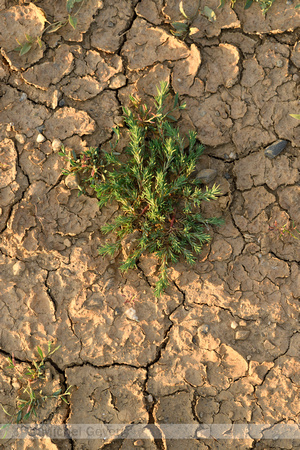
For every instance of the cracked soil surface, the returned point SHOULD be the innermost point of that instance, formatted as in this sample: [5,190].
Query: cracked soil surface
[222,346]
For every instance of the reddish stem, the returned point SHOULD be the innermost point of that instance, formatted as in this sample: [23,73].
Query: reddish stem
[173,219]
[144,210]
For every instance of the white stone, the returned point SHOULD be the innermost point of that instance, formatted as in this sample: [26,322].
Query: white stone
[233,325]
[56,144]
[20,138]
[131,314]
[40,138]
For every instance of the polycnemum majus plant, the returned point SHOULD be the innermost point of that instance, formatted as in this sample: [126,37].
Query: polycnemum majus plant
[158,194]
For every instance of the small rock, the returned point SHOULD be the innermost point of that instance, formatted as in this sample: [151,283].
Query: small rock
[40,138]
[16,385]
[274,149]
[248,357]
[204,329]
[56,144]
[117,81]
[242,323]
[23,97]
[138,443]
[268,345]
[150,398]
[21,138]
[242,335]
[71,181]
[131,314]
[48,376]
[117,311]
[67,243]
[61,102]
[233,325]
[206,175]
[10,127]
[40,128]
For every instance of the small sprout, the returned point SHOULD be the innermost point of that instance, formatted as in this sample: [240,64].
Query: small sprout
[32,380]
[73,21]
[296,116]
[209,13]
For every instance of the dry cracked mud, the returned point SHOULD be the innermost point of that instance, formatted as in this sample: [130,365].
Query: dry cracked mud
[222,345]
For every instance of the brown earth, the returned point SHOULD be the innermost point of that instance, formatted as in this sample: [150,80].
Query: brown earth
[222,345]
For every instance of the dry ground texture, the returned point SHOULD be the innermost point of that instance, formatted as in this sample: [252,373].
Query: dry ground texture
[222,345]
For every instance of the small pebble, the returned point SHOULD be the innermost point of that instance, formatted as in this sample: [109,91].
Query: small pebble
[150,398]
[131,314]
[23,97]
[67,243]
[40,128]
[204,329]
[40,138]
[138,443]
[16,385]
[117,81]
[242,335]
[249,357]
[111,24]
[61,102]
[56,144]
[242,323]
[206,175]
[273,150]
[233,325]
[20,138]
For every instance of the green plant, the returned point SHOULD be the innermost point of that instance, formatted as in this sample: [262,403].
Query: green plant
[158,196]
[295,116]
[25,46]
[32,380]
[286,229]
[183,29]
[89,165]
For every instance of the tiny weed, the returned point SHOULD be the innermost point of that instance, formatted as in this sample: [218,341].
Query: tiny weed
[89,166]
[32,380]
[286,229]
[158,196]
[25,46]
[184,29]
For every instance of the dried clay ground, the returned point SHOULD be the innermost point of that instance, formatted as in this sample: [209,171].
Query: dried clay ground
[222,345]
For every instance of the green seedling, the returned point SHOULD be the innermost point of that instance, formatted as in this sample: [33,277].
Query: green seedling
[183,29]
[158,195]
[32,380]
[286,229]
[88,165]
[25,46]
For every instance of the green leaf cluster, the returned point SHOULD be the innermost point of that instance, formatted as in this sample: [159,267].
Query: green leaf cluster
[158,195]
[31,380]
